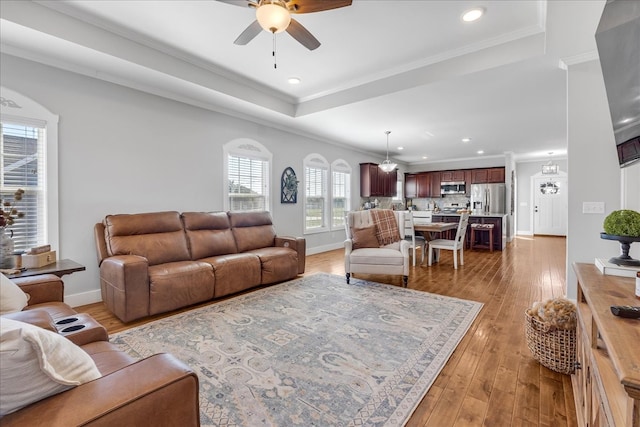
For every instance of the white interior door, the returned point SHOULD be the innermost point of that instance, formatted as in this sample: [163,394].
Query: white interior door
[550,205]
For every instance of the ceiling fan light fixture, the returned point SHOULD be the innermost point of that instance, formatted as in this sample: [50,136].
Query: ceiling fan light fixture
[273,17]
[386,165]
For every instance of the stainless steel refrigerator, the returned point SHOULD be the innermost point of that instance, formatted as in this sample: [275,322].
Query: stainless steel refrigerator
[488,198]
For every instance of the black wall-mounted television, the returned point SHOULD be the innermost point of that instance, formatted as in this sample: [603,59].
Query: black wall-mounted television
[618,42]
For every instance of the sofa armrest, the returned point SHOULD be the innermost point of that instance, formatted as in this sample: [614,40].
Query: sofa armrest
[157,391]
[124,282]
[298,244]
[42,288]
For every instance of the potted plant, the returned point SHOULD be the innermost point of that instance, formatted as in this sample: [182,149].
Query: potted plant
[623,226]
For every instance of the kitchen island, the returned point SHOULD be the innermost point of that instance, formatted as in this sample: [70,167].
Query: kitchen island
[498,220]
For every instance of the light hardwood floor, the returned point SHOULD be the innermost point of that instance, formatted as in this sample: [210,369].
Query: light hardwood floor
[491,379]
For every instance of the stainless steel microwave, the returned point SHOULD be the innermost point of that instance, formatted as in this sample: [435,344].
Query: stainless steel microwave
[452,188]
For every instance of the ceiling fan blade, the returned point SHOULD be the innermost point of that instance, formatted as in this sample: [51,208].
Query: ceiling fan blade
[249,33]
[241,3]
[302,35]
[309,6]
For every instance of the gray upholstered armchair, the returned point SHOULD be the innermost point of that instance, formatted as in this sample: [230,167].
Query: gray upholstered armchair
[363,253]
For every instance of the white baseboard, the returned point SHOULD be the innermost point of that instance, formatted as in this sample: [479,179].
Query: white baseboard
[83,298]
[324,248]
[524,233]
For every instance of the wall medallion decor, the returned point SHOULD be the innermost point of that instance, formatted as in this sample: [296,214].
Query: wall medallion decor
[289,186]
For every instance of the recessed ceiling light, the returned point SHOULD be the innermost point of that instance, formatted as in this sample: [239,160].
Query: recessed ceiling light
[473,14]
[294,80]
[401,148]
[424,157]
[466,139]
[480,152]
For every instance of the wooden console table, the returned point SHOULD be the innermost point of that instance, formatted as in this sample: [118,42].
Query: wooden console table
[59,268]
[606,384]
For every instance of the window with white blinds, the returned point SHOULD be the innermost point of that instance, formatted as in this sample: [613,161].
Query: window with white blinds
[316,197]
[340,192]
[23,166]
[247,184]
[247,168]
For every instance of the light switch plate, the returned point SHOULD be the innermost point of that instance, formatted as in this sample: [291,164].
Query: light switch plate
[593,207]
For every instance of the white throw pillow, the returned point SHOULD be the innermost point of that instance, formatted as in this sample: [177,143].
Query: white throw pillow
[12,298]
[36,363]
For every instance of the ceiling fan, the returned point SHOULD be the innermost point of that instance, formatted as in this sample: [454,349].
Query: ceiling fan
[274,16]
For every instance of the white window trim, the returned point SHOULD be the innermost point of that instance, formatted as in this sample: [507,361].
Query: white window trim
[317,161]
[246,147]
[18,108]
[339,165]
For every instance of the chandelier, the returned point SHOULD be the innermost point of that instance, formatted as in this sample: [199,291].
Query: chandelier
[386,165]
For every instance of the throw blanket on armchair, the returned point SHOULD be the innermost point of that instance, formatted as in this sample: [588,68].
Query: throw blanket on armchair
[386,226]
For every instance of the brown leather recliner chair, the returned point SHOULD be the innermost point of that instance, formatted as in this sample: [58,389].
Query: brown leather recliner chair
[157,391]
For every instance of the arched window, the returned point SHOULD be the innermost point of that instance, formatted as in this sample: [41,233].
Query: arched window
[340,192]
[247,168]
[316,194]
[29,161]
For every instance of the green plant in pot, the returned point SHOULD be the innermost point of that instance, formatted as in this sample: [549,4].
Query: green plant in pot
[623,226]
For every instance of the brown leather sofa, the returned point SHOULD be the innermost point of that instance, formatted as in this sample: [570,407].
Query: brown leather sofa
[151,263]
[157,391]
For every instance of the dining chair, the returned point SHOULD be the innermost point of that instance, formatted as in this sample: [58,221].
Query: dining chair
[415,242]
[455,245]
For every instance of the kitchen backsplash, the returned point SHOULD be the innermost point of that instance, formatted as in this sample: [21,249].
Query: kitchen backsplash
[421,204]
[430,203]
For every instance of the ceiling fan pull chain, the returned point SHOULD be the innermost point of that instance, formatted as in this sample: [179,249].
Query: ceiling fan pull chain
[275,66]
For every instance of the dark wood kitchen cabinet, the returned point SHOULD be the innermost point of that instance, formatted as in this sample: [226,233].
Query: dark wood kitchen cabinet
[489,175]
[424,184]
[410,185]
[453,176]
[495,175]
[374,182]
[435,180]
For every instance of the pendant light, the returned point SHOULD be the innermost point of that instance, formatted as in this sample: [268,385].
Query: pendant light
[386,165]
[550,168]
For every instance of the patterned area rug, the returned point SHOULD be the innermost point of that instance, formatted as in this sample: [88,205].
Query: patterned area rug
[312,352]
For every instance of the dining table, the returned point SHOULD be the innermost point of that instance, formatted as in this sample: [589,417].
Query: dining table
[432,231]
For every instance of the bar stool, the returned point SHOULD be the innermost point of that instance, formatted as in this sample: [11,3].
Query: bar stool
[479,228]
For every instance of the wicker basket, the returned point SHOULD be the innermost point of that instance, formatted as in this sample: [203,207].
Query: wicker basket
[553,348]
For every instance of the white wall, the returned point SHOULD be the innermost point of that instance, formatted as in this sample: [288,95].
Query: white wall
[524,172]
[125,151]
[593,169]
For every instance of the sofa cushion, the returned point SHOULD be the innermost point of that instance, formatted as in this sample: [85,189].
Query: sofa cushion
[252,230]
[235,272]
[377,256]
[13,298]
[107,357]
[179,284]
[36,363]
[277,264]
[208,234]
[159,237]
[365,237]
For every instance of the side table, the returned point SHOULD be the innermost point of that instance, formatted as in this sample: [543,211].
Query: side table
[59,268]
